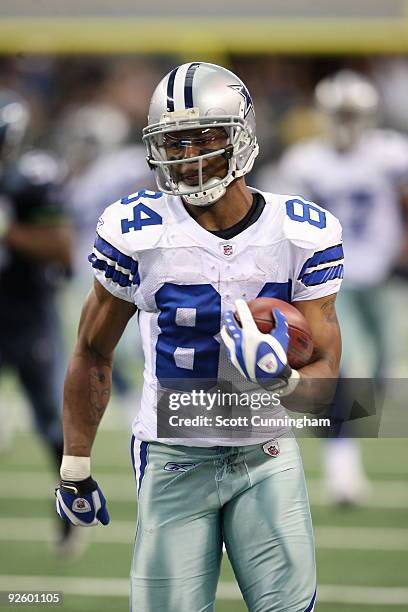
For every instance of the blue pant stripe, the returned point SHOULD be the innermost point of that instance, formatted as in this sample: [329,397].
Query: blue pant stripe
[143,462]
[132,453]
[312,603]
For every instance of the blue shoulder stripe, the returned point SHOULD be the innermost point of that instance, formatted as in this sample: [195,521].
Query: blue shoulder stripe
[318,277]
[111,252]
[333,253]
[110,272]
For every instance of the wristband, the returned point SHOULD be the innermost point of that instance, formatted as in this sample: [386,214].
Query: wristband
[75,468]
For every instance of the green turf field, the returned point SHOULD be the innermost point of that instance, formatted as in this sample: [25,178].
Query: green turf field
[362,554]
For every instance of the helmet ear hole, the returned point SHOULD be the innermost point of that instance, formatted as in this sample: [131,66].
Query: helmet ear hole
[229,151]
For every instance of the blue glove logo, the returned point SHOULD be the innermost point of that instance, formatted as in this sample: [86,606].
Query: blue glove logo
[81,505]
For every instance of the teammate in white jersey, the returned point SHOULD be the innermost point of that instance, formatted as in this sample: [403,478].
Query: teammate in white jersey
[183,258]
[360,173]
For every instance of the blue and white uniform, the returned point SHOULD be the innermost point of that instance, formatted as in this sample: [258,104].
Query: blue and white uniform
[150,252]
[362,187]
[197,494]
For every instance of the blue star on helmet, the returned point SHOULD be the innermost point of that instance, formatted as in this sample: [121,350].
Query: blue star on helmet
[242,90]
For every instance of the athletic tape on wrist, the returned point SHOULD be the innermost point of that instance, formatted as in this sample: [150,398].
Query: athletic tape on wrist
[75,468]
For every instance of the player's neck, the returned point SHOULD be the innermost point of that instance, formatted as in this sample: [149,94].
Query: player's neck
[227,211]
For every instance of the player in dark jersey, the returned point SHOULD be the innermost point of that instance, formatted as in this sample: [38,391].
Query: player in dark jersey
[35,253]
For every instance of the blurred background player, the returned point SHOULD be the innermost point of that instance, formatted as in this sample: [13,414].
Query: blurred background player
[35,253]
[104,165]
[359,173]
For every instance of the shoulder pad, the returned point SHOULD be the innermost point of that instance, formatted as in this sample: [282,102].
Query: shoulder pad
[136,222]
[308,225]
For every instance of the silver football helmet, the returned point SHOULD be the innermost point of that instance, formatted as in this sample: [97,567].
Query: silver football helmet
[207,110]
[90,131]
[350,102]
[14,120]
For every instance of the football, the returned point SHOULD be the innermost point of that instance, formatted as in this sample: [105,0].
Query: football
[300,337]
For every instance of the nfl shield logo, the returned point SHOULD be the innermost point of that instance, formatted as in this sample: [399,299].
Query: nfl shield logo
[227,249]
[81,505]
[271,448]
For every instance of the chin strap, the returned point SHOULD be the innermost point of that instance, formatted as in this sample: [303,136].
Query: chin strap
[208,196]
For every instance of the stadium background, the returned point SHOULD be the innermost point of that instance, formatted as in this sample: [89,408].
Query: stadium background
[60,55]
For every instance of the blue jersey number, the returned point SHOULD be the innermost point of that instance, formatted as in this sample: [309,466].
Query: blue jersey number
[354,210]
[190,317]
[143,193]
[362,204]
[142,214]
[302,211]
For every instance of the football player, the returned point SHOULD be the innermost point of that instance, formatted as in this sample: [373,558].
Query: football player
[360,172]
[35,253]
[183,258]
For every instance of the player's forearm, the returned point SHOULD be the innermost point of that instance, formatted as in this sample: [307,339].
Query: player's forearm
[51,243]
[316,386]
[86,395]
[326,365]
[318,379]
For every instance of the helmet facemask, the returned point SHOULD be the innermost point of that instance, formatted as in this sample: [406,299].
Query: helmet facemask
[182,139]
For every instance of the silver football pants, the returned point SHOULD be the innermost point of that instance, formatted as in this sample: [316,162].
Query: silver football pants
[192,500]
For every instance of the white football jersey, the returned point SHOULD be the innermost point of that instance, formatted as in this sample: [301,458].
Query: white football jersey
[362,188]
[106,179]
[151,252]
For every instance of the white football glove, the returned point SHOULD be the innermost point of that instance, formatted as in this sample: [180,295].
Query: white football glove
[260,358]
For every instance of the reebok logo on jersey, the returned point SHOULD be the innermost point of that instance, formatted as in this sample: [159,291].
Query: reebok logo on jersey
[271,448]
[178,467]
[268,363]
[81,505]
